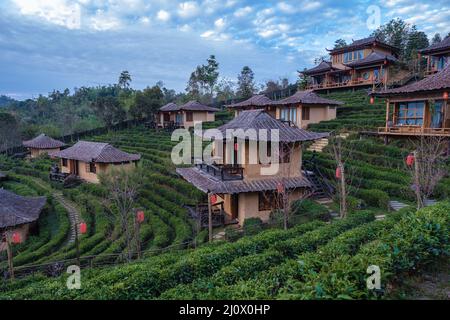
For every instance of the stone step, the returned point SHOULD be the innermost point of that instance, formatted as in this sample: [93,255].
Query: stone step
[380,217]
[397,205]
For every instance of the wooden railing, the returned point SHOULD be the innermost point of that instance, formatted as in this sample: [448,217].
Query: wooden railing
[414,130]
[224,172]
[349,83]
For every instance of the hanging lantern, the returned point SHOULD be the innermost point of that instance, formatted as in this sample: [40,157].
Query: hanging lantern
[280,187]
[16,238]
[419,55]
[83,227]
[236,146]
[338,173]
[372,100]
[385,62]
[445,95]
[213,199]
[140,216]
[410,160]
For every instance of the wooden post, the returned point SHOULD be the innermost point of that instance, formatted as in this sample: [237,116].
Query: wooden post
[137,228]
[10,256]
[417,182]
[343,192]
[77,245]
[210,229]
[387,114]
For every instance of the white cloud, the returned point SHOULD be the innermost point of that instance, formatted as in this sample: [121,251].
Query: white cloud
[185,28]
[286,7]
[163,15]
[59,12]
[309,5]
[207,34]
[242,12]
[103,21]
[220,23]
[188,9]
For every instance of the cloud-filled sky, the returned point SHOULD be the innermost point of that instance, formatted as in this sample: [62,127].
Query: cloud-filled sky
[54,44]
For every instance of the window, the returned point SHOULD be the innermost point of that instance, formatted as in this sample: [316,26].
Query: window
[64,162]
[189,116]
[305,113]
[91,167]
[284,114]
[268,201]
[285,152]
[366,75]
[411,113]
[437,114]
[166,117]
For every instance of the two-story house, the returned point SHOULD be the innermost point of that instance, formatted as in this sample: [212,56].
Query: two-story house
[184,116]
[437,55]
[420,108]
[300,109]
[240,182]
[365,62]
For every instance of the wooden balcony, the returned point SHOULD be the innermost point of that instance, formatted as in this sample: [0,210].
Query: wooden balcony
[413,131]
[224,172]
[346,84]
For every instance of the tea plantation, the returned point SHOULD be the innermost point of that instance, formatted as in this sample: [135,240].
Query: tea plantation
[311,260]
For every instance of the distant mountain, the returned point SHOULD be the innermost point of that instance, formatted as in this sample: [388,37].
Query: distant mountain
[5,100]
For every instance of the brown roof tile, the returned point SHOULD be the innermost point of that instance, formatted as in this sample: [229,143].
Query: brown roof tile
[440,46]
[322,67]
[16,210]
[307,97]
[43,141]
[373,57]
[207,183]
[169,107]
[88,151]
[258,100]
[363,43]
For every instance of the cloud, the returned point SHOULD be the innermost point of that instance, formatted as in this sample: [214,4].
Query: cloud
[163,15]
[220,23]
[242,12]
[286,7]
[103,21]
[188,9]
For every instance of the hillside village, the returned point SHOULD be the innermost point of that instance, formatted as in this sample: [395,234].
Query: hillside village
[362,152]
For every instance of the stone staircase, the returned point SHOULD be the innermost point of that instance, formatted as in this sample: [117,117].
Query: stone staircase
[318,145]
[397,205]
[74,215]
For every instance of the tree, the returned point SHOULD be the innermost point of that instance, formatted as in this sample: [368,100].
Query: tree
[9,131]
[203,80]
[340,43]
[417,40]
[302,81]
[122,191]
[109,110]
[246,84]
[225,90]
[147,102]
[428,166]
[436,38]
[124,80]
[211,74]
[320,59]
[394,33]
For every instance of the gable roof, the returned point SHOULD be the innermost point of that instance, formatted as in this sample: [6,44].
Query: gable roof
[88,151]
[440,46]
[259,100]
[363,43]
[197,106]
[43,141]
[207,183]
[373,57]
[323,66]
[437,81]
[16,210]
[260,120]
[307,97]
[169,107]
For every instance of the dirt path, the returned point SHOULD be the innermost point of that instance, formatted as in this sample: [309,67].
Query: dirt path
[74,215]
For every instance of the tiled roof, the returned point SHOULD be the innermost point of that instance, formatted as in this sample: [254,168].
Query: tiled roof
[258,100]
[437,81]
[97,152]
[440,46]
[324,66]
[307,97]
[207,183]
[260,120]
[16,210]
[373,57]
[362,43]
[43,141]
[169,107]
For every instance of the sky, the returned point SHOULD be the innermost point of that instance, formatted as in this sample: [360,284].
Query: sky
[58,44]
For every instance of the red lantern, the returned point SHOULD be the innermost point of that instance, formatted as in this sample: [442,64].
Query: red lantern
[236,146]
[338,173]
[280,187]
[16,238]
[213,199]
[140,216]
[410,160]
[83,227]
[372,100]
[445,95]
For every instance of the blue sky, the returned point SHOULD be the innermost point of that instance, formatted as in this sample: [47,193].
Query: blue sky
[54,44]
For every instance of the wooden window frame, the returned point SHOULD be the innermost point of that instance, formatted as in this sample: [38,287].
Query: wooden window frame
[267,200]
[91,167]
[306,113]
[65,163]
[189,116]
[406,118]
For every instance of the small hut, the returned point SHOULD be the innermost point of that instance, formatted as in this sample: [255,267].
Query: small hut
[19,214]
[43,144]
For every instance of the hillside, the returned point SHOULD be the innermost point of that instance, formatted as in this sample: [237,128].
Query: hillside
[299,263]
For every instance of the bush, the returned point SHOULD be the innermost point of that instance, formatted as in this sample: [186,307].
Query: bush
[374,197]
[310,209]
[252,226]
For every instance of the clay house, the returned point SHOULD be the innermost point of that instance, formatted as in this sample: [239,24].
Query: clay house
[19,214]
[300,109]
[87,160]
[437,55]
[184,116]
[42,144]
[420,108]
[366,62]
[240,187]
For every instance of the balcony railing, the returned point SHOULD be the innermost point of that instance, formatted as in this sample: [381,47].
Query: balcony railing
[414,130]
[349,83]
[225,172]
